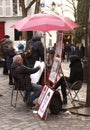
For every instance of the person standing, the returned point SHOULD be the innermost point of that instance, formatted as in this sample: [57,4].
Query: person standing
[82,51]
[3,46]
[34,51]
[10,53]
[67,50]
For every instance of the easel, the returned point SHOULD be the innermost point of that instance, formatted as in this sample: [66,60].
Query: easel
[68,87]
[44,102]
[69,91]
[59,52]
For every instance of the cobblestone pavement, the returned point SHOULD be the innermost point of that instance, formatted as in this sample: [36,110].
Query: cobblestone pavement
[23,118]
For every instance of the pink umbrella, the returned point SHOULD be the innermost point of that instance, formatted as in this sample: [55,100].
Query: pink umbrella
[44,22]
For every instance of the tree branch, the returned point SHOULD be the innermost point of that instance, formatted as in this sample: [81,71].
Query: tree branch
[30,4]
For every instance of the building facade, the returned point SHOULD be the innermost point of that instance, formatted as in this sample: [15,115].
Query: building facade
[10,13]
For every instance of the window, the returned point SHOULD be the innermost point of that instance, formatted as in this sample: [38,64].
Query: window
[14,7]
[5,8]
[10,8]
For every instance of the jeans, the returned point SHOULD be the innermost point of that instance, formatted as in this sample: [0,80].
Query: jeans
[35,92]
[68,54]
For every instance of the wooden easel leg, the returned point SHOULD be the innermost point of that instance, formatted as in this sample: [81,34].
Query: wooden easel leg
[46,114]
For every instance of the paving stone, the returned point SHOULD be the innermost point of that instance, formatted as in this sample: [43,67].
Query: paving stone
[23,118]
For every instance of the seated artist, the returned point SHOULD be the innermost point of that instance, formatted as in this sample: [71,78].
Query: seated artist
[21,74]
[76,73]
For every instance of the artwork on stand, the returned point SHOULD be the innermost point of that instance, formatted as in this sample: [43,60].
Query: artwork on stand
[59,43]
[55,69]
[45,102]
[57,58]
[42,95]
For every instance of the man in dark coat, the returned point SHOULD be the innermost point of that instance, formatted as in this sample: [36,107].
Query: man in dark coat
[35,51]
[22,79]
[10,53]
[76,73]
[4,43]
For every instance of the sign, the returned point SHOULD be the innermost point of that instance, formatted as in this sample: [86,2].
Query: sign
[45,102]
[41,97]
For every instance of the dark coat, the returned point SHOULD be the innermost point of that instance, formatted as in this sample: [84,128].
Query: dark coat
[76,71]
[10,53]
[21,75]
[37,51]
[77,52]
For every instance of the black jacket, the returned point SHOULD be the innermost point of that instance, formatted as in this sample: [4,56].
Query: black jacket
[37,51]
[21,76]
[76,71]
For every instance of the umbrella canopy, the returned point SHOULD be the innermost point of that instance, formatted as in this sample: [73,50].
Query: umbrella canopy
[44,22]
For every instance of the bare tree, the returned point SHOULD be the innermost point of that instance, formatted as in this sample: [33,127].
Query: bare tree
[72,7]
[25,10]
[69,6]
[87,42]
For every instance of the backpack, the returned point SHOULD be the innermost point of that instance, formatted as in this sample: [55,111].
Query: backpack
[55,103]
[29,50]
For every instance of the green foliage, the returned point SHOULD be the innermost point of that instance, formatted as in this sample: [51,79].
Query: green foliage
[79,33]
[81,12]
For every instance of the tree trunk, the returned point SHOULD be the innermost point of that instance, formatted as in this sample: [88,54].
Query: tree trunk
[37,7]
[88,53]
[24,14]
[88,83]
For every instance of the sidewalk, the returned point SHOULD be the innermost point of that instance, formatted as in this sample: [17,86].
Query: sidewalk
[23,118]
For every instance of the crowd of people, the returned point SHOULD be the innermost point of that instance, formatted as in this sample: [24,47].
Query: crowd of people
[71,49]
[20,65]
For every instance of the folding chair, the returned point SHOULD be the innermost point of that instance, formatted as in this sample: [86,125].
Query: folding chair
[18,91]
[76,86]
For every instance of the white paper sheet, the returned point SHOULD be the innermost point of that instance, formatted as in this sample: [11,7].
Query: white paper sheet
[36,76]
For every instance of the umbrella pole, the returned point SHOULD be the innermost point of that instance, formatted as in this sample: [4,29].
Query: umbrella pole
[45,57]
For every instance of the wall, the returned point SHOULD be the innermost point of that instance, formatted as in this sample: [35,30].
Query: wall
[8,23]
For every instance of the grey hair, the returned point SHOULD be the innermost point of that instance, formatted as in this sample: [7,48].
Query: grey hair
[16,58]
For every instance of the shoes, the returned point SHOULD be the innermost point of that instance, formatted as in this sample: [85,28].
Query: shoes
[30,104]
[11,83]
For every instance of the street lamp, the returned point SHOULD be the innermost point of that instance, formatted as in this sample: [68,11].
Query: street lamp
[53,5]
